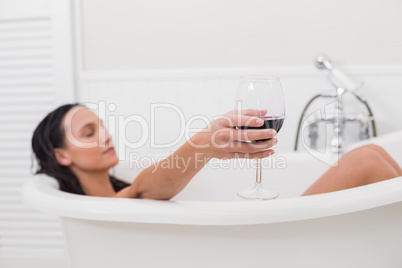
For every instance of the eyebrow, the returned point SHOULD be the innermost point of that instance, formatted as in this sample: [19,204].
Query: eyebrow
[86,126]
[90,125]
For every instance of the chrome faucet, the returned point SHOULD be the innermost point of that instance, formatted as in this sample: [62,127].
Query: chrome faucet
[342,85]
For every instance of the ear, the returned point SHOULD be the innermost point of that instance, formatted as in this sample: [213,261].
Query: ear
[62,157]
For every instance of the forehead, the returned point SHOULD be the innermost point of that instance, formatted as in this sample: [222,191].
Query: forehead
[79,117]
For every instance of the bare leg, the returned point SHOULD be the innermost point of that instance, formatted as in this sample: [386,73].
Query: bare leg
[361,166]
[386,155]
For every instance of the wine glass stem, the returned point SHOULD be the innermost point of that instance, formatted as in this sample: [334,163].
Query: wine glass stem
[258,172]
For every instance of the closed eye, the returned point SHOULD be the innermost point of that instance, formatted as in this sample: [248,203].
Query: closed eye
[88,130]
[89,134]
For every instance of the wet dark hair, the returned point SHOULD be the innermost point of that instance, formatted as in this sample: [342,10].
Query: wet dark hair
[48,135]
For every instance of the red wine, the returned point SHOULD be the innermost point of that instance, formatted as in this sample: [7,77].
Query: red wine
[269,122]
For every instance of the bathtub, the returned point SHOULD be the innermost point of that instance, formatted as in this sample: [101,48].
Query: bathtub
[207,225]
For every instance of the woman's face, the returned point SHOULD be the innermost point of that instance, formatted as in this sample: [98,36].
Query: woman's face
[88,146]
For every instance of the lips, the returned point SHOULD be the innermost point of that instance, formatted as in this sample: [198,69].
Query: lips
[111,149]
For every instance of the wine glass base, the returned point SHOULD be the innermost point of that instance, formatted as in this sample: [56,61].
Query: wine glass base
[258,193]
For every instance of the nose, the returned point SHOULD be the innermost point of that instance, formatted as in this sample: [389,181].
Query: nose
[105,138]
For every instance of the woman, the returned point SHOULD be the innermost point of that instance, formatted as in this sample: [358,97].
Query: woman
[72,145]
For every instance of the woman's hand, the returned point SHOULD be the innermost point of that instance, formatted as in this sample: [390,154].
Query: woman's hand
[221,138]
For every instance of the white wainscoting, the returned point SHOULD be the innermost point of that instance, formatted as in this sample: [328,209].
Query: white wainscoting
[210,92]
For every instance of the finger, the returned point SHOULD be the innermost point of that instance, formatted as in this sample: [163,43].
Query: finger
[250,147]
[253,134]
[258,155]
[232,120]
[253,112]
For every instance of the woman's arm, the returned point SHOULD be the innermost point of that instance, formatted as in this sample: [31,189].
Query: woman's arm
[168,177]
[220,139]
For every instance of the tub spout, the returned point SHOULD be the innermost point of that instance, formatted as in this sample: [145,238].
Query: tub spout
[343,85]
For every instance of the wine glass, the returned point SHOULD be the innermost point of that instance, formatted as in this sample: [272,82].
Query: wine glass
[262,93]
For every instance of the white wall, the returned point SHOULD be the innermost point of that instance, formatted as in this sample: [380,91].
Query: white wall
[127,34]
[192,53]
[211,92]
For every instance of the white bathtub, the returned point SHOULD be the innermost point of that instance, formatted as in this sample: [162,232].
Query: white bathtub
[207,225]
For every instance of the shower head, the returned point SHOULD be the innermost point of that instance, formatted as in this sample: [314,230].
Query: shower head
[323,62]
[336,76]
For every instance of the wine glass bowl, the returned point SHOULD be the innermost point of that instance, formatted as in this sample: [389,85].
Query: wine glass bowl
[264,95]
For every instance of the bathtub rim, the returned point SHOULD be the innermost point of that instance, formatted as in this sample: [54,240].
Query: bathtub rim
[42,193]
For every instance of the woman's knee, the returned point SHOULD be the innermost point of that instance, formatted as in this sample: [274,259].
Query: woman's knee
[385,155]
[366,156]
[376,148]
[372,146]
[377,168]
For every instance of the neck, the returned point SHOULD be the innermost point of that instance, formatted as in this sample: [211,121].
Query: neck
[95,183]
